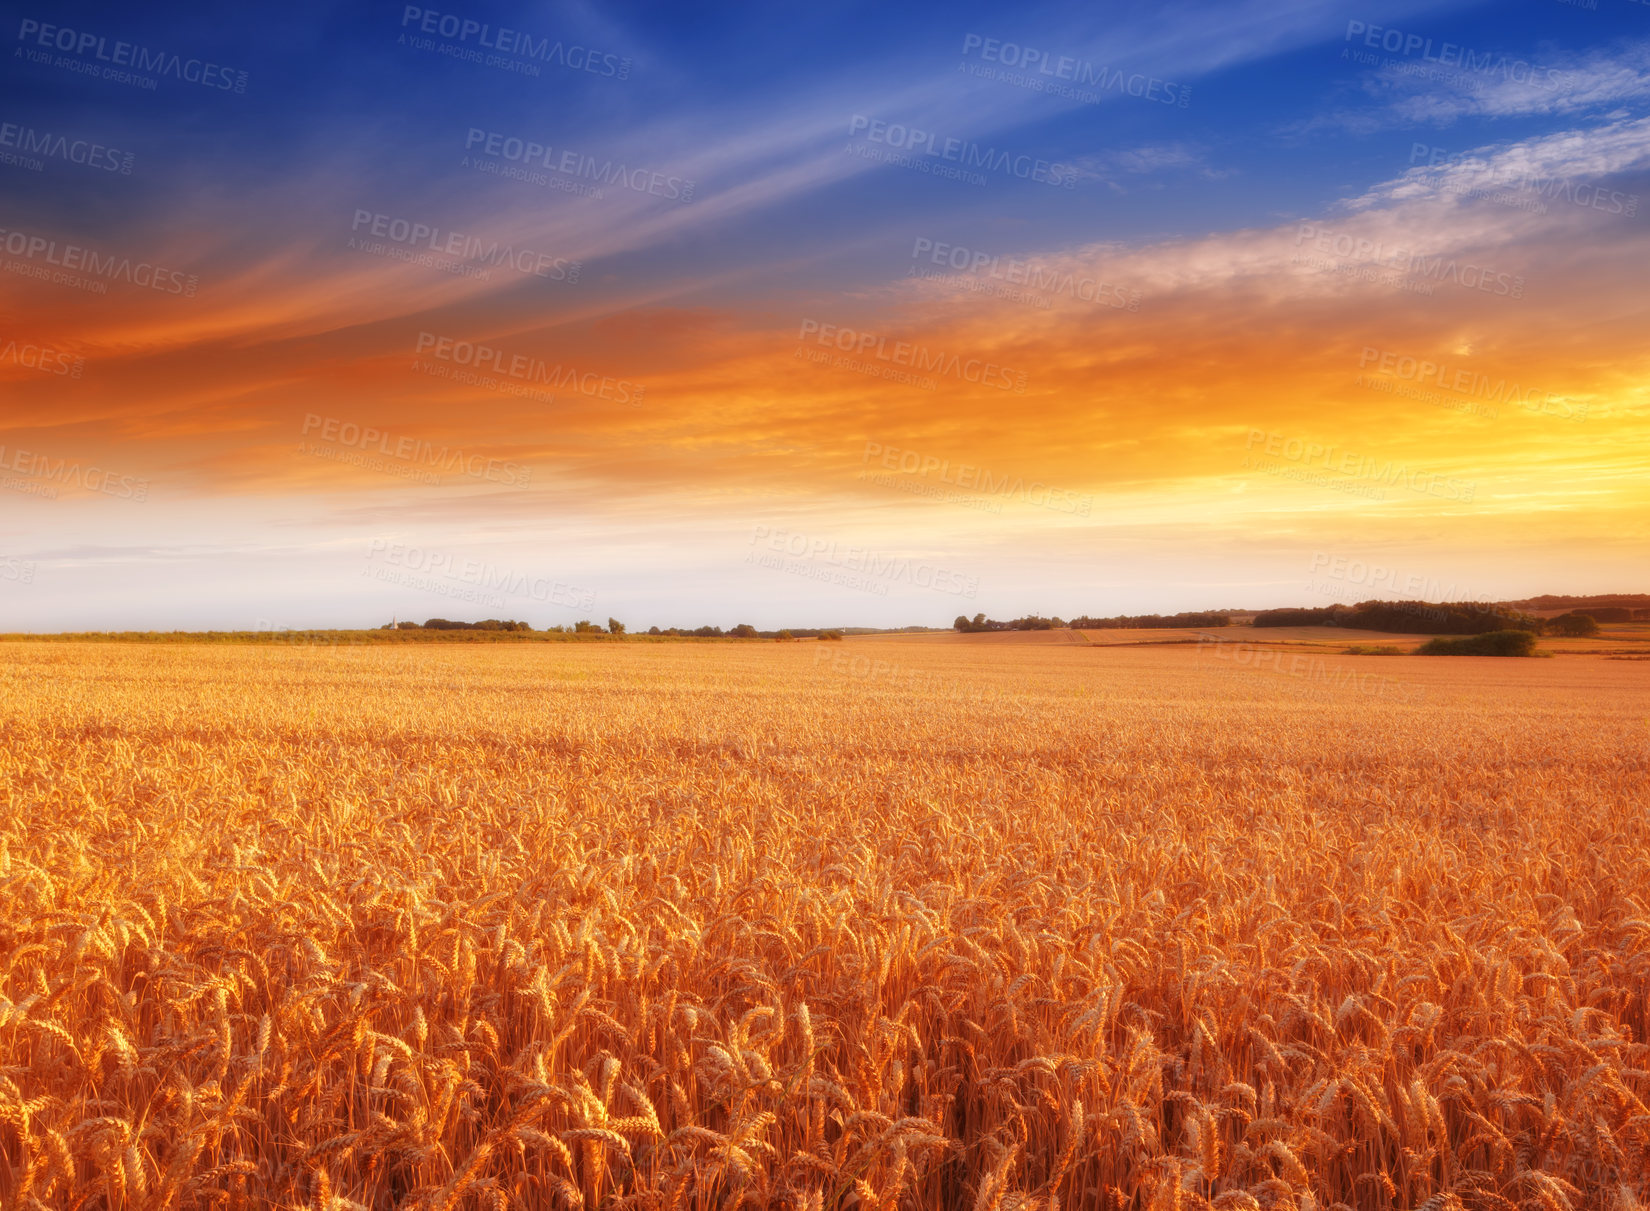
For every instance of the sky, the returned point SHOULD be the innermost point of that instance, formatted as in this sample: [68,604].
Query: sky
[867,315]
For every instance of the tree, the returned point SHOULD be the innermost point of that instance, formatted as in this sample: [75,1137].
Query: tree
[831,636]
[743,631]
[585,627]
[784,635]
[1573,624]
[615,627]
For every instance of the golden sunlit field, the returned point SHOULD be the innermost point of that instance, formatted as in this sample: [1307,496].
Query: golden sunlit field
[821,925]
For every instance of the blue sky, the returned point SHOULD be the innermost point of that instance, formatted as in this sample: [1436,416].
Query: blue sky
[1354,119]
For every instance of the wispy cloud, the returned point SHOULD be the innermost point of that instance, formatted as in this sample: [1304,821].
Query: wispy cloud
[1548,165]
[1566,84]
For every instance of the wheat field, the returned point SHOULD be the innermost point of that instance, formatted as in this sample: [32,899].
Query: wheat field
[819,925]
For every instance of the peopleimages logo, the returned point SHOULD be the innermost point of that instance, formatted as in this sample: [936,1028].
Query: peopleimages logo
[1016,272]
[457,244]
[975,479]
[20,570]
[90,261]
[515,42]
[26,141]
[1414,265]
[40,475]
[1308,668]
[529,153]
[853,567]
[1079,72]
[478,357]
[126,54]
[485,578]
[961,152]
[919,358]
[1374,577]
[1357,468]
[1486,63]
[353,437]
[42,358]
[1471,176]
[1426,372]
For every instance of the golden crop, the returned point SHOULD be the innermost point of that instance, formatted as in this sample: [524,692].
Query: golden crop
[696,926]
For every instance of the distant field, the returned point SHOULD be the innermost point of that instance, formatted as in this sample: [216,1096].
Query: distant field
[952,921]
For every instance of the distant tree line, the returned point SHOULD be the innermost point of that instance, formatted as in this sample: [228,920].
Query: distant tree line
[746,631]
[743,630]
[1147,622]
[1031,622]
[447,624]
[1439,618]
[1605,607]
[1609,613]
[1035,622]
[1405,617]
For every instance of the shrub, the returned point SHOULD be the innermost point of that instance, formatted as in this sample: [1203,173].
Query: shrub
[1491,643]
[1573,624]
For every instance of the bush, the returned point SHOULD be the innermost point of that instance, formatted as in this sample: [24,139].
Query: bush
[1491,643]
[783,636]
[1573,624]
[833,636]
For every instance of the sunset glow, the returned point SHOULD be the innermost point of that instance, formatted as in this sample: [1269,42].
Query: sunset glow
[864,317]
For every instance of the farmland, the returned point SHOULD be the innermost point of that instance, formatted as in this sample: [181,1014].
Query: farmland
[879,923]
